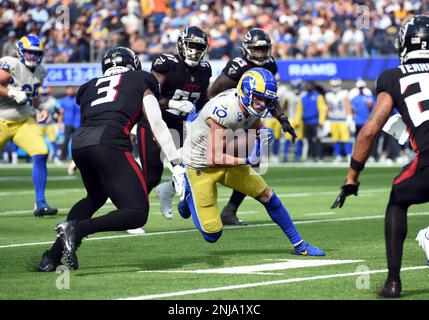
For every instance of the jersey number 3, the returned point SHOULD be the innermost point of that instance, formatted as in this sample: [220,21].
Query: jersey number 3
[414,101]
[110,90]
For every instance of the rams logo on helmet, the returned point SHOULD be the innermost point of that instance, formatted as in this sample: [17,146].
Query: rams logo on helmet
[259,82]
[30,50]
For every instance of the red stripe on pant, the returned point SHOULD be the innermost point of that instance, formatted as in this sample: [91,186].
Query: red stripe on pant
[143,146]
[409,172]
[137,170]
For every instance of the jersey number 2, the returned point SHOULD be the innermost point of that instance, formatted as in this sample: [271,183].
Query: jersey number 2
[413,102]
[109,90]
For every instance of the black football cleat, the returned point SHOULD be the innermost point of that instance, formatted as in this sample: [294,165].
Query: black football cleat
[391,289]
[47,264]
[41,209]
[67,233]
[229,217]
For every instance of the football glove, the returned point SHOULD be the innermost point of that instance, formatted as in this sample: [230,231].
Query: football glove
[19,96]
[346,190]
[179,180]
[183,106]
[253,157]
[266,134]
[287,127]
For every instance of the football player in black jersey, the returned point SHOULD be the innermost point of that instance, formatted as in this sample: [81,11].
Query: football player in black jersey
[256,53]
[184,78]
[403,88]
[110,106]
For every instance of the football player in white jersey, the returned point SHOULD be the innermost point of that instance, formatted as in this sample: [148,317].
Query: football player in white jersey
[207,163]
[341,118]
[291,99]
[20,79]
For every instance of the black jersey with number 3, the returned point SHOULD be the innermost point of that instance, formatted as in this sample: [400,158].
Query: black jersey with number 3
[110,106]
[408,86]
[236,67]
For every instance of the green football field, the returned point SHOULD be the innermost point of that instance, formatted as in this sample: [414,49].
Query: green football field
[172,261]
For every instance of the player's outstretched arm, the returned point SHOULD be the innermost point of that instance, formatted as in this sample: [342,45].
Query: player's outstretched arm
[159,128]
[364,142]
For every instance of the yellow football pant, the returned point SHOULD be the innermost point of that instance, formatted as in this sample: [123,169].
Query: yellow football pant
[26,134]
[204,190]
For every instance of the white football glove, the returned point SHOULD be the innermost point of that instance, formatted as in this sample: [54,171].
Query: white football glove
[351,123]
[182,106]
[179,180]
[19,96]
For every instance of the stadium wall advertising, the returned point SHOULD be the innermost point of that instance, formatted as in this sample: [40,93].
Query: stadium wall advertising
[306,69]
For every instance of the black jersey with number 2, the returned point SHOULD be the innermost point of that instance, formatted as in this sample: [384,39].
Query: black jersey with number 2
[110,106]
[408,86]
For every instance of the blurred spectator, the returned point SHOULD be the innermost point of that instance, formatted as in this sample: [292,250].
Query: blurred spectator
[311,110]
[69,119]
[298,28]
[9,47]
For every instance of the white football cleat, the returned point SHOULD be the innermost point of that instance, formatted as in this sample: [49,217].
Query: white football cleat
[136,231]
[71,170]
[165,192]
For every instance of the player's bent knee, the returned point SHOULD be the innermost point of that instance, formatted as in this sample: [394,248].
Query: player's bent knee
[266,195]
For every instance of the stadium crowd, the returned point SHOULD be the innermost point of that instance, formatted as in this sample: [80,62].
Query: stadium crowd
[78,31]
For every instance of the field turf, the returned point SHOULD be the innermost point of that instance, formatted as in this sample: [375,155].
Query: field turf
[172,261]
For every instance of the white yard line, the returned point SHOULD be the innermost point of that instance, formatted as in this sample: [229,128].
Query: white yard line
[195,230]
[261,284]
[329,213]
[261,268]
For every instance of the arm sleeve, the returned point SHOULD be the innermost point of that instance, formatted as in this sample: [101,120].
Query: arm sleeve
[321,106]
[159,128]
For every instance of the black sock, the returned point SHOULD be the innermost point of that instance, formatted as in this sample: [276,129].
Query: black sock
[117,220]
[395,228]
[236,199]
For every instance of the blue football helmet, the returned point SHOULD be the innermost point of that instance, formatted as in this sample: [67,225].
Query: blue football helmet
[260,82]
[33,45]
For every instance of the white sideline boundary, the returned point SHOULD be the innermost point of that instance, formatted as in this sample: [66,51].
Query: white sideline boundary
[195,230]
[261,284]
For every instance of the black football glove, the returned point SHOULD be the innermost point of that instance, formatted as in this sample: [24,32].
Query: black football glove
[346,190]
[286,127]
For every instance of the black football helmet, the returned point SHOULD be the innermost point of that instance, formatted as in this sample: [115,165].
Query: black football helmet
[257,46]
[192,45]
[120,57]
[413,39]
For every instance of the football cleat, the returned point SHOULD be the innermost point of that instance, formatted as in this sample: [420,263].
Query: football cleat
[47,264]
[165,193]
[305,249]
[136,231]
[229,217]
[67,233]
[41,208]
[391,289]
[183,209]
